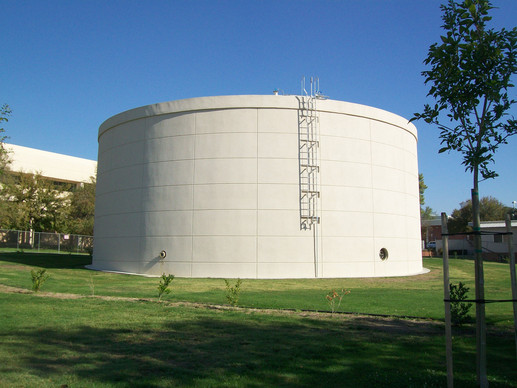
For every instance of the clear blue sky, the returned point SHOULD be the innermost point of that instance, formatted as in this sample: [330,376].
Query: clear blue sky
[69,65]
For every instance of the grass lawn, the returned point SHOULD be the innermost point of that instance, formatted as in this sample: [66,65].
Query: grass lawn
[53,338]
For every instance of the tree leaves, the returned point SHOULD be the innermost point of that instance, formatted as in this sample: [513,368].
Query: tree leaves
[32,202]
[491,209]
[469,76]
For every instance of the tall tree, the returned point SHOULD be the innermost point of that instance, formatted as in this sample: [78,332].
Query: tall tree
[421,188]
[490,209]
[470,75]
[82,208]
[425,213]
[31,202]
[5,112]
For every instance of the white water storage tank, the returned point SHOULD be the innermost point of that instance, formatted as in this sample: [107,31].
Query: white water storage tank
[213,187]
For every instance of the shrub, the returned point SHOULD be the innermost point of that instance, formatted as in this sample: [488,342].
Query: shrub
[92,285]
[163,286]
[232,293]
[334,298]
[459,308]
[38,278]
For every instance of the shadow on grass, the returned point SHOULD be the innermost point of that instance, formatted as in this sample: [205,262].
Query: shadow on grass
[251,353]
[99,343]
[47,260]
[207,353]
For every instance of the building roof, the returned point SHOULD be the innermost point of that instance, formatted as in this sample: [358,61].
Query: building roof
[434,221]
[51,165]
[495,224]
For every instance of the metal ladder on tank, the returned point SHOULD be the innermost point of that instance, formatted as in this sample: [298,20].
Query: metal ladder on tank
[308,157]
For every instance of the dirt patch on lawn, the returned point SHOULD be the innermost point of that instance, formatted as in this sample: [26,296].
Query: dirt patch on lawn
[381,324]
[391,325]
[13,290]
[14,266]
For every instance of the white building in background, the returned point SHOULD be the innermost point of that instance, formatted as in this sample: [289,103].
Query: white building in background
[56,167]
[258,187]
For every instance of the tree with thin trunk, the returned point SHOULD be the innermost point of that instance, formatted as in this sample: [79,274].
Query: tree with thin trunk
[5,112]
[469,74]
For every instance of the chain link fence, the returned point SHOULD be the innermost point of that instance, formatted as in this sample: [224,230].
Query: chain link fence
[45,242]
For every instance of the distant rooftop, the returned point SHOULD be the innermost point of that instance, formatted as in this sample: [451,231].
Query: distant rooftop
[51,165]
[496,224]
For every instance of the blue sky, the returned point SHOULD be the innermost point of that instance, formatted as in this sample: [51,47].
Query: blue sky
[69,65]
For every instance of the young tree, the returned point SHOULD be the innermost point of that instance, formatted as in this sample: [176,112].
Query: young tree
[470,75]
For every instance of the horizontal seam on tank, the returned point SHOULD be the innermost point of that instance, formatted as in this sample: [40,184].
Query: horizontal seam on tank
[251,183]
[374,119]
[250,236]
[245,183]
[293,134]
[146,139]
[365,140]
[365,212]
[374,189]
[345,161]
[371,163]
[251,107]
[122,145]
[251,132]
[252,210]
[204,261]
[405,149]
[101,216]
[195,159]
[100,194]
[182,112]
[256,235]
[359,187]
[157,236]
[392,168]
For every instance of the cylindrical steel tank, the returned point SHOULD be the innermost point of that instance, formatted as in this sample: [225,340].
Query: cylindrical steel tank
[213,187]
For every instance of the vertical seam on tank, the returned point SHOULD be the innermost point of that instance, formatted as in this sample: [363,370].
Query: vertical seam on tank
[320,186]
[142,231]
[193,195]
[372,192]
[257,203]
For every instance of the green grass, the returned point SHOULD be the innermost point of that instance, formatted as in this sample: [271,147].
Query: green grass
[48,341]
[416,296]
[62,251]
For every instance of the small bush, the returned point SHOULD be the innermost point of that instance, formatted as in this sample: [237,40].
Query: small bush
[38,278]
[459,308]
[334,298]
[232,293]
[92,285]
[163,286]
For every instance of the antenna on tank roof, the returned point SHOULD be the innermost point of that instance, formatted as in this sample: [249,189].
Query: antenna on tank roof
[314,89]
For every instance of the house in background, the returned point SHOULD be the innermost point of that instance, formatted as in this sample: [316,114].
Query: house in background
[495,245]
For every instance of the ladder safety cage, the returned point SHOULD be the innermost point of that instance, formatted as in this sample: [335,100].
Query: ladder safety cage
[308,155]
